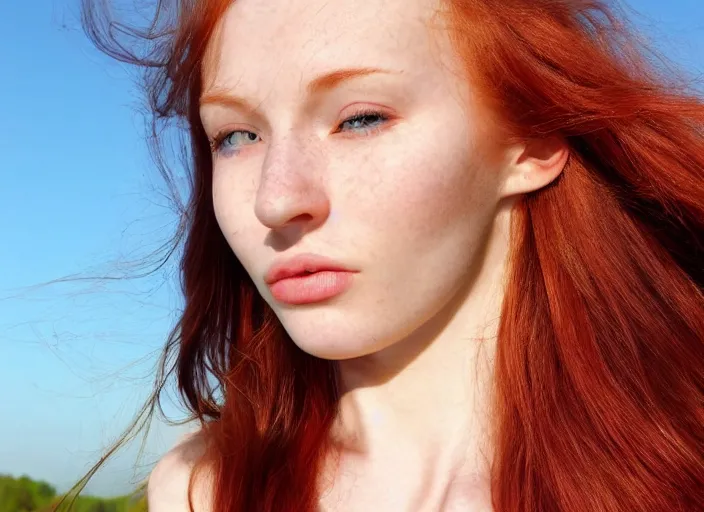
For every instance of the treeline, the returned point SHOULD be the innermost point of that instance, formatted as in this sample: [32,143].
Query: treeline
[26,495]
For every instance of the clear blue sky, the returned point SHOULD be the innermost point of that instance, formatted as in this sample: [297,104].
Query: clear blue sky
[78,192]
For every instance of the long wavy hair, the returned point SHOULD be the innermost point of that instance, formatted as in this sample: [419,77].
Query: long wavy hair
[599,371]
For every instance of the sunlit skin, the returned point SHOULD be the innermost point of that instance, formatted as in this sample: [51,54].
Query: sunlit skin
[413,195]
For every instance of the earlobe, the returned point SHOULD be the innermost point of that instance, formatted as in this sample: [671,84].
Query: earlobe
[534,165]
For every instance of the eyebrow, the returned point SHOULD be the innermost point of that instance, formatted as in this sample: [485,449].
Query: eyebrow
[323,83]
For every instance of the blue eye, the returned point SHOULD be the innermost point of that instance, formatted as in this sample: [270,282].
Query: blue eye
[365,121]
[231,142]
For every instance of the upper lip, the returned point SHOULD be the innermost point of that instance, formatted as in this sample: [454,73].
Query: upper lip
[302,264]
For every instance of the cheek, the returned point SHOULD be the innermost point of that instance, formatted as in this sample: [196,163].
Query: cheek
[223,206]
[232,208]
[422,186]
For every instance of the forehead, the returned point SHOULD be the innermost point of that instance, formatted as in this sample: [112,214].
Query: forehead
[261,43]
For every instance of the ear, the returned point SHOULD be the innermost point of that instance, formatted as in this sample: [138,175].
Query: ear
[533,165]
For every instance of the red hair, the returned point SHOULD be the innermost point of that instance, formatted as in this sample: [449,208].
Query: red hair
[599,373]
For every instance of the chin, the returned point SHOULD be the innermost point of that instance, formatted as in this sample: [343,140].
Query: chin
[332,335]
[338,347]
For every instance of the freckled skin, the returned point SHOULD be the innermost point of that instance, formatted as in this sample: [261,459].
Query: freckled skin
[413,199]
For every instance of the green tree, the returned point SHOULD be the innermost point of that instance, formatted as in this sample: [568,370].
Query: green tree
[26,495]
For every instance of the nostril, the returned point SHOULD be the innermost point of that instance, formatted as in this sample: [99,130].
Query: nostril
[302,218]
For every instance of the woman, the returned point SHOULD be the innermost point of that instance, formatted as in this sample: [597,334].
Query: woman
[439,255]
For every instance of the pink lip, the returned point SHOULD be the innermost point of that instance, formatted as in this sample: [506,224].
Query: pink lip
[307,278]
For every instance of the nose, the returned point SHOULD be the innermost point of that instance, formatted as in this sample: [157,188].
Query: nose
[291,198]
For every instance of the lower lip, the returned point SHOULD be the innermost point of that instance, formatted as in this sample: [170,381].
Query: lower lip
[311,288]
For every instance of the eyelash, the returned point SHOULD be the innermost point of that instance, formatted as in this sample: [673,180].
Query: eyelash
[217,142]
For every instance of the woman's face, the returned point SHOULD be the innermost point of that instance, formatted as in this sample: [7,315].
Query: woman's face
[402,195]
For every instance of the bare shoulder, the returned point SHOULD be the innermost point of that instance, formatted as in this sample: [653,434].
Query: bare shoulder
[167,490]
